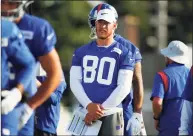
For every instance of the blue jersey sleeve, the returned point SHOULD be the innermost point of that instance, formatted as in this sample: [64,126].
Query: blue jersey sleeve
[45,39]
[20,55]
[76,58]
[127,60]
[138,56]
[158,88]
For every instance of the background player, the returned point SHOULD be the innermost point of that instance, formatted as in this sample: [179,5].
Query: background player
[49,111]
[13,50]
[41,39]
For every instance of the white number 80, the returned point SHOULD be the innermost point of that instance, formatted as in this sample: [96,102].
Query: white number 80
[92,69]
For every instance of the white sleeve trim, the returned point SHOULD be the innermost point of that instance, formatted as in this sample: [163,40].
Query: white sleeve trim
[121,91]
[76,86]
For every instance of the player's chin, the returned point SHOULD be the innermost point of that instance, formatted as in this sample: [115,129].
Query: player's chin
[102,37]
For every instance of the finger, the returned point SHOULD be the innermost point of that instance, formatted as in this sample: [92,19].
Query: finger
[101,107]
[88,123]
[5,93]
[99,114]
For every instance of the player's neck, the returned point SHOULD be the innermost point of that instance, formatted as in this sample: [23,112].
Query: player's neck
[105,42]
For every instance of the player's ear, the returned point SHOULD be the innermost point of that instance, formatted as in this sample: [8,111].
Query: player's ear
[115,25]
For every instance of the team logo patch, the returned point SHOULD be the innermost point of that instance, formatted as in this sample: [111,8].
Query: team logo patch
[117,50]
[118,127]
[27,34]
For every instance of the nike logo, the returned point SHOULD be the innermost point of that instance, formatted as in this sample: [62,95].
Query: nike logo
[49,37]
[103,13]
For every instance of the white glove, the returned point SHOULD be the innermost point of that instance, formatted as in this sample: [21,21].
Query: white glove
[183,133]
[135,124]
[11,99]
[26,113]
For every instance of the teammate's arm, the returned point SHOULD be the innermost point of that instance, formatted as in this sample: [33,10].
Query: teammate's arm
[138,88]
[16,50]
[51,64]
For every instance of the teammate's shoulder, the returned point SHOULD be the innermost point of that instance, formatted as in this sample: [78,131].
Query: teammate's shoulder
[125,42]
[35,20]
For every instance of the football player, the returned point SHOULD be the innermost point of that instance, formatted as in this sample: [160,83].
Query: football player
[15,54]
[101,74]
[131,108]
[49,111]
[41,39]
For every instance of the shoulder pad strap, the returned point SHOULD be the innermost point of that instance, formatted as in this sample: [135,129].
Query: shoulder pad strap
[164,79]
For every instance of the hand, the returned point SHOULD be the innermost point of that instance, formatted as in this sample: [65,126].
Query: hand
[156,124]
[26,113]
[10,100]
[95,109]
[88,119]
[135,124]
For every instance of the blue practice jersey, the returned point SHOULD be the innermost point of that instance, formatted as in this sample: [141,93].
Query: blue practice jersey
[177,75]
[38,33]
[13,50]
[127,102]
[15,54]
[48,114]
[137,55]
[100,67]
[40,39]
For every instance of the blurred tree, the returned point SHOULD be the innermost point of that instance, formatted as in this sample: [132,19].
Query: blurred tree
[183,14]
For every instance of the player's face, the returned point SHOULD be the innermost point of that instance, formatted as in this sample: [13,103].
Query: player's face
[6,6]
[104,29]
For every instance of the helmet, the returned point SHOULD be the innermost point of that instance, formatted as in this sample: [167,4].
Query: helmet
[19,11]
[93,15]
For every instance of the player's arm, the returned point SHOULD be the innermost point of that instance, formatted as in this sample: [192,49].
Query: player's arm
[51,64]
[157,104]
[76,86]
[138,88]
[16,50]
[124,80]
[123,83]
[157,96]
[94,110]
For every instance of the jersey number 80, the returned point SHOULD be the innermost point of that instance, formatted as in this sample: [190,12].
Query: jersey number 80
[96,63]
